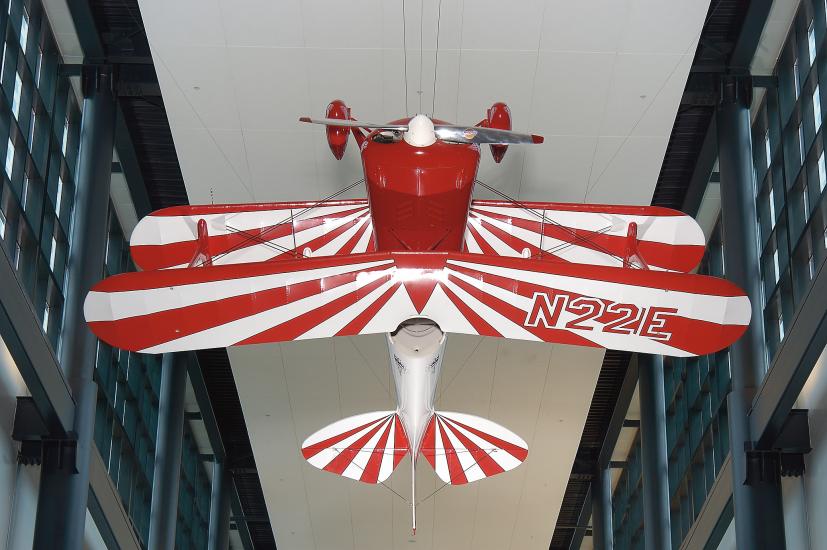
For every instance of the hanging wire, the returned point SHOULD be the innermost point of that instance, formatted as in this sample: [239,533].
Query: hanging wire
[421,24]
[436,57]
[405,53]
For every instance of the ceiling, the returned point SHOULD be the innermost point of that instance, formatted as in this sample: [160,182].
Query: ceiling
[600,79]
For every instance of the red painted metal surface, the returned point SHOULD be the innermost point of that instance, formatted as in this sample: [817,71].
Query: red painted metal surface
[498,116]
[337,136]
[419,196]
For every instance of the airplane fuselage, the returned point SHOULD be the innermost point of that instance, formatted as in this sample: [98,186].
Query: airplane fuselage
[419,196]
[419,200]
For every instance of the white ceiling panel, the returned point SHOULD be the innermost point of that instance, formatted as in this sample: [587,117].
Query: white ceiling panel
[606,23]
[177,23]
[655,26]
[333,25]
[644,91]
[580,82]
[494,25]
[261,23]
[199,85]
[283,72]
[626,158]
[601,79]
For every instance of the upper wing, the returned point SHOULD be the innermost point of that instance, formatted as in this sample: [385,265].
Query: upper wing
[242,233]
[619,308]
[661,238]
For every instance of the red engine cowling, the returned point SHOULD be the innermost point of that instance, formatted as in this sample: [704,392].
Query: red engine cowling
[337,135]
[499,116]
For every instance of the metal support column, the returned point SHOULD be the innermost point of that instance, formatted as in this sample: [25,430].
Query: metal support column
[759,520]
[654,458]
[64,487]
[163,513]
[602,530]
[219,533]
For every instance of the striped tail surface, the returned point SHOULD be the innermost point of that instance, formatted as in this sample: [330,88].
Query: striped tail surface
[463,448]
[366,447]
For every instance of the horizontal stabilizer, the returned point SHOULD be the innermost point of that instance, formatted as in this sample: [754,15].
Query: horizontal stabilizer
[367,447]
[463,448]
[597,234]
[525,299]
[245,233]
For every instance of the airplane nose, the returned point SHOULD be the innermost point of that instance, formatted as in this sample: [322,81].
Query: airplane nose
[420,132]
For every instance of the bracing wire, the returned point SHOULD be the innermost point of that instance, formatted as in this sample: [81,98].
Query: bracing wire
[250,237]
[577,238]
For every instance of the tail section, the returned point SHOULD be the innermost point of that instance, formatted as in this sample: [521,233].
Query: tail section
[463,448]
[366,447]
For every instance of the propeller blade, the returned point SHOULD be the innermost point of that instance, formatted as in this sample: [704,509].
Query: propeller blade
[479,135]
[353,124]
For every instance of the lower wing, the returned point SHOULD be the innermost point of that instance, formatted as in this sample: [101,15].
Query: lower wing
[225,234]
[597,234]
[618,308]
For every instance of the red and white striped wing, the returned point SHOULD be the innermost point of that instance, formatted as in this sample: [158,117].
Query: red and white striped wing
[619,308]
[585,233]
[366,447]
[243,233]
[462,448]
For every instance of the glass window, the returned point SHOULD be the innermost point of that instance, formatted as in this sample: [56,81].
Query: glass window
[2,225]
[772,207]
[805,199]
[24,29]
[796,78]
[59,194]
[801,142]
[32,121]
[775,265]
[780,327]
[767,148]
[822,171]
[24,195]
[811,42]
[46,317]
[811,264]
[39,67]
[18,88]
[52,254]
[9,158]
[817,108]
[65,139]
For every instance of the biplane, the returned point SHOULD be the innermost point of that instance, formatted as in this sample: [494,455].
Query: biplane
[416,259]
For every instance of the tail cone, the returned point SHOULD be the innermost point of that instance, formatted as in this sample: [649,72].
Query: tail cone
[413,495]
